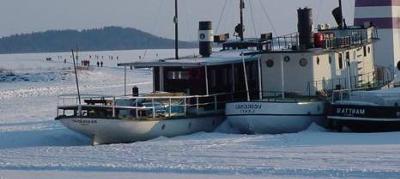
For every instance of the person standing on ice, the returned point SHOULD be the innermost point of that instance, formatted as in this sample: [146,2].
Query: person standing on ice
[98,63]
[101,63]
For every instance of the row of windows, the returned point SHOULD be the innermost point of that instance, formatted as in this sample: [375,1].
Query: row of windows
[303,62]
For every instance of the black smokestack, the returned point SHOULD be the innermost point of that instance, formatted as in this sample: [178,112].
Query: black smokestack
[305,23]
[205,38]
[338,15]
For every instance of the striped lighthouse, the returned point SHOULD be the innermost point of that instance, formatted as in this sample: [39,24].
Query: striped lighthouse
[385,15]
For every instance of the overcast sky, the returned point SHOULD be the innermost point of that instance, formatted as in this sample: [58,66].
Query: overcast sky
[156,16]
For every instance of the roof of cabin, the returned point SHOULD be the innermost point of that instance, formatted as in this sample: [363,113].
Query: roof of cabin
[218,58]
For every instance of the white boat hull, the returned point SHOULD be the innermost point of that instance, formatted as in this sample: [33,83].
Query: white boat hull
[273,117]
[106,131]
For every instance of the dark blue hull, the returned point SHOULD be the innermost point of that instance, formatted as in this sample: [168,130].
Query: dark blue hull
[364,118]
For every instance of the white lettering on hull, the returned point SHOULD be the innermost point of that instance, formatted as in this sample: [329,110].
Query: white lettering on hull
[350,111]
[84,121]
[248,108]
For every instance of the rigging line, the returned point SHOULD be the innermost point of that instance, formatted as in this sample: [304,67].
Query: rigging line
[221,15]
[252,18]
[268,18]
[157,18]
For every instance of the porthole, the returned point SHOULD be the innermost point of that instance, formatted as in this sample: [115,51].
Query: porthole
[286,59]
[270,63]
[303,62]
[398,65]
[317,60]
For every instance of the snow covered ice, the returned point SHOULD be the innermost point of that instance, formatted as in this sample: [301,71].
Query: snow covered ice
[32,143]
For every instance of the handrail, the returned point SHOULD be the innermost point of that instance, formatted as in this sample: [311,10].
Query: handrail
[155,105]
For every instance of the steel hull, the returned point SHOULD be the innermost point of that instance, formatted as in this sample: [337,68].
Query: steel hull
[274,118]
[106,131]
[364,118]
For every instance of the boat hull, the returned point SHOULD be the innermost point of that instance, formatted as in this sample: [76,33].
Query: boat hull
[107,131]
[364,118]
[273,117]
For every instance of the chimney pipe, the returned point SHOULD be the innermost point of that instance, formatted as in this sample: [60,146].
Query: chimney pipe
[305,28]
[206,38]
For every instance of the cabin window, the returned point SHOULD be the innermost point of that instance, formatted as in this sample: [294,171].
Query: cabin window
[213,79]
[340,61]
[178,75]
[225,76]
[254,71]
[330,60]
[365,51]
[270,63]
[317,60]
[369,50]
[286,59]
[398,65]
[347,55]
[303,62]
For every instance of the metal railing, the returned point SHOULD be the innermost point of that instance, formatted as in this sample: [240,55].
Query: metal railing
[363,94]
[370,80]
[148,107]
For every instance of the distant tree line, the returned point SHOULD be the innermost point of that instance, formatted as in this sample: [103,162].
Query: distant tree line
[107,38]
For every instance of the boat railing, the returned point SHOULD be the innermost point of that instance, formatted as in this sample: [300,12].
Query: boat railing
[292,96]
[372,80]
[362,94]
[146,107]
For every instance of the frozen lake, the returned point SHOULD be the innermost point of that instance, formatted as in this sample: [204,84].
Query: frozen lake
[33,144]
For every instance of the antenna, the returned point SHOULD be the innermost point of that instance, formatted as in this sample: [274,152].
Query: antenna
[176,31]
[76,77]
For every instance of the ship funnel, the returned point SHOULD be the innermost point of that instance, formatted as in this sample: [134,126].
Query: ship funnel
[205,38]
[305,23]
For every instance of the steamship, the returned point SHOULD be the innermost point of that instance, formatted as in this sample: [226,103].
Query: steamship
[296,81]
[263,85]
[366,111]
[189,94]
[376,110]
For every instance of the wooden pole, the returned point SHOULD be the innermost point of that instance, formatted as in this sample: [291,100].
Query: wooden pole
[176,31]
[76,78]
[245,77]
[241,20]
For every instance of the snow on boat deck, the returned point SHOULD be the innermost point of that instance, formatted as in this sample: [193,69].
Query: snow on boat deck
[33,144]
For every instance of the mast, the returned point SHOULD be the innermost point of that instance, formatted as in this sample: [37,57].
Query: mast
[241,33]
[176,30]
[76,77]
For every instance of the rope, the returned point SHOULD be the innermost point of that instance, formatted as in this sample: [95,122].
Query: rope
[268,18]
[221,15]
[252,18]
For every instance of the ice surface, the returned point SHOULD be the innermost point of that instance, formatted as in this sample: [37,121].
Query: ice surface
[33,144]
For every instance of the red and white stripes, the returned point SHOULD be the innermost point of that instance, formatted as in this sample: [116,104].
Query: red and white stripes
[384,14]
